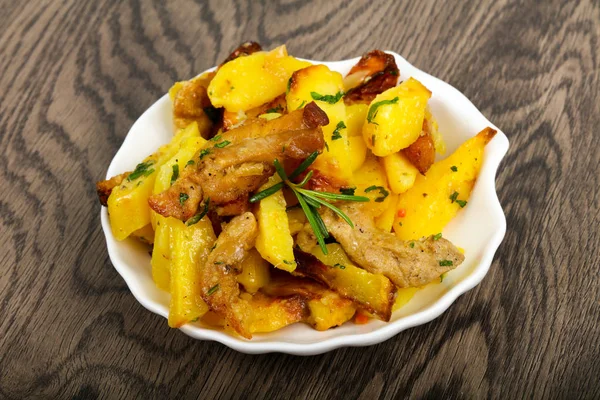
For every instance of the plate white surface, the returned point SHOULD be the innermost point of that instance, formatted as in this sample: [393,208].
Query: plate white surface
[479,228]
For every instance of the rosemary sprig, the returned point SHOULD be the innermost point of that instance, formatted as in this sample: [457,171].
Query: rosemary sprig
[309,200]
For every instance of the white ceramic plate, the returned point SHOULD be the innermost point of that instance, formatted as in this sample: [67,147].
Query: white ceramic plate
[479,228]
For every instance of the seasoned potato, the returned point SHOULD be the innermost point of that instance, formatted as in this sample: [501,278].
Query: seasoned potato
[395,117]
[403,297]
[128,208]
[296,220]
[318,83]
[355,118]
[274,242]
[374,293]
[357,149]
[248,82]
[255,272]
[190,245]
[370,181]
[329,311]
[386,219]
[401,173]
[435,198]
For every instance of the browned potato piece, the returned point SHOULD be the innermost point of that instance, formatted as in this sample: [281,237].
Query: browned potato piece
[104,188]
[235,119]
[422,152]
[374,73]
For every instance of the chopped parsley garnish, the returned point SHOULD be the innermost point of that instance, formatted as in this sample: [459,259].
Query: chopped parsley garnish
[336,133]
[175,173]
[399,223]
[446,263]
[437,236]
[301,104]
[442,276]
[222,144]
[453,168]
[340,266]
[327,98]
[216,138]
[219,262]
[453,197]
[373,109]
[384,193]
[461,203]
[191,162]
[277,109]
[212,290]
[142,169]
[183,197]
[394,72]
[412,245]
[204,153]
[348,190]
[200,215]
[327,146]
[288,262]
[289,85]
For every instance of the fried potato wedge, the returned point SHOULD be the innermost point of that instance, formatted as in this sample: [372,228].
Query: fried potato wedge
[395,118]
[438,196]
[318,83]
[248,82]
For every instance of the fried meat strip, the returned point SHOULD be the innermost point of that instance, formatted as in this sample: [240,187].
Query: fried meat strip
[219,286]
[421,153]
[383,253]
[227,174]
[374,73]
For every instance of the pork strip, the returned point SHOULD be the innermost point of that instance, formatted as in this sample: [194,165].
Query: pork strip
[383,253]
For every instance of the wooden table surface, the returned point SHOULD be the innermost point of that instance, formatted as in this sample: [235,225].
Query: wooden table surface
[75,75]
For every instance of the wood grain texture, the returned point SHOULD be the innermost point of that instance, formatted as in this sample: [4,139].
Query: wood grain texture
[75,75]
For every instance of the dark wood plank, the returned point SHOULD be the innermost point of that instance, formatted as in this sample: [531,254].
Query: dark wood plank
[75,75]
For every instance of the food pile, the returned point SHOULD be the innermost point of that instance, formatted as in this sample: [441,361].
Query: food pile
[291,193]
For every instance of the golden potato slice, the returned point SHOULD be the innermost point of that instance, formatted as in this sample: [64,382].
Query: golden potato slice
[438,196]
[395,118]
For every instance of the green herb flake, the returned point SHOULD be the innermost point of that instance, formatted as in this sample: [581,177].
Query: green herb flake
[336,133]
[142,169]
[399,223]
[219,262]
[384,193]
[212,290]
[411,245]
[461,203]
[348,190]
[453,197]
[204,153]
[289,85]
[446,263]
[327,147]
[196,218]
[373,109]
[222,144]
[453,168]
[191,162]
[340,266]
[175,173]
[301,105]
[288,262]
[216,138]
[183,197]
[437,236]
[327,98]
[442,276]
[277,109]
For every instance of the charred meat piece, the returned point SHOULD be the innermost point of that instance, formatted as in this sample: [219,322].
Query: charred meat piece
[309,117]
[219,286]
[383,253]
[104,188]
[244,49]
[374,73]
[422,152]
[227,174]
[191,102]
